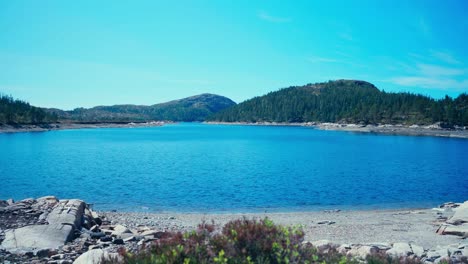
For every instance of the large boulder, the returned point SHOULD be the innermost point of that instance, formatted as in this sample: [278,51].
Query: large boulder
[362,251]
[460,216]
[400,250]
[95,256]
[63,220]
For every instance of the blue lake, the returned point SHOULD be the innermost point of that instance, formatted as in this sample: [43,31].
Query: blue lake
[218,168]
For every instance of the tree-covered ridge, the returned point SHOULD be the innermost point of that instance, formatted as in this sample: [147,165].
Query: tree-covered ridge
[348,101]
[195,108]
[14,111]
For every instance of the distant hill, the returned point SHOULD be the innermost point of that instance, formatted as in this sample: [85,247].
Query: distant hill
[347,101]
[14,111]
[194,108]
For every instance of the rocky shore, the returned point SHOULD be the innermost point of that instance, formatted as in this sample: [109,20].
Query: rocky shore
[435,130]
[61,126]
[48,230]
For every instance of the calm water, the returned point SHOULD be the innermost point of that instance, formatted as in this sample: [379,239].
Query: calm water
[215,168]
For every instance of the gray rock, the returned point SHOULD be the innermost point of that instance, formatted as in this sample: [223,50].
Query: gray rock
[47,200]
[417,250]
[460,216]
[323,245]
[3,203]
[457,230]
[436,254]
[43,253]
[62,222]
[57,256]
[343,249]
[120,230]
[400,250]
[362,251]
[95,256]
[96,235]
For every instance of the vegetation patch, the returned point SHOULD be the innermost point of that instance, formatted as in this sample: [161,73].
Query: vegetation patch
[242,241]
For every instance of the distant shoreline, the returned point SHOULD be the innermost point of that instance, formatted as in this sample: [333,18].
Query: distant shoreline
[414,130]
[63,126]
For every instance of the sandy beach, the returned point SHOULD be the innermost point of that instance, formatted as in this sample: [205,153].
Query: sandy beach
[416,226]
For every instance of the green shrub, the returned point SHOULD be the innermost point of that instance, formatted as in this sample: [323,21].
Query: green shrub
[241,241]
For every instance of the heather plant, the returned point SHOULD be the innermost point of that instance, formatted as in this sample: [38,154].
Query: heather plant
[241,241]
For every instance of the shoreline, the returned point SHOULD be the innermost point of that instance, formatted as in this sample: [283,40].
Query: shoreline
[32,229]
[386,129]
[402,130]
[66,126]
[386,226]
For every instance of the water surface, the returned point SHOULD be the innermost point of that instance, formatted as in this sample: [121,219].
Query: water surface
[219,168]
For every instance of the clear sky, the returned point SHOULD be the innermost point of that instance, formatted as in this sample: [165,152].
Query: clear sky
[69,54]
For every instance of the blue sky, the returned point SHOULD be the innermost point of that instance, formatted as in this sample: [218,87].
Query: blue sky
[69,54]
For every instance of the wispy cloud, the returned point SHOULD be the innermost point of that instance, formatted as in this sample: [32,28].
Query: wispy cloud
[431,82]
[436,70]
[445,57]
[433,76]
[321,59]
[273,19]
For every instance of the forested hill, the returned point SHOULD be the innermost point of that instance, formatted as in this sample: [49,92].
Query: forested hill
[347,101]
[195,108]
[13,111]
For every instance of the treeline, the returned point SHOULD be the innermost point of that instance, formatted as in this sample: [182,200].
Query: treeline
[14,111]
[194,108]
[347,101]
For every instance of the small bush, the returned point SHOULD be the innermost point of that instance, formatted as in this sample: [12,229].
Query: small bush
[240,241]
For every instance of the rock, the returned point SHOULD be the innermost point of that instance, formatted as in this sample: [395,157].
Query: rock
[326,222]
[57,256]
[381,246]
[119,230]
[400,250]
[132,238]
[322,245]
[106,238]
[417,250]
[433,255]
[43,253]
[96,235]
[148,233]
[118,241]
[458,230]
[10,201]
[3,203]
[362,251]
[48,200]
[27,201]
[460,216]
[94,214]
[95,256]
[63,220]
[343,249]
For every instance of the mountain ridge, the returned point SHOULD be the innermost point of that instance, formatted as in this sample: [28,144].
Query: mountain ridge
[193,108]
[346,101]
